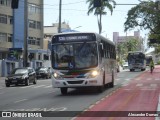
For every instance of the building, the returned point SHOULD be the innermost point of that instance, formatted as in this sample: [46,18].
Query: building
[49,31]
[12,34]
[119,39]
[12,26]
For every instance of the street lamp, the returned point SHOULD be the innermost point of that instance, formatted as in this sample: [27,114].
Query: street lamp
[25,53]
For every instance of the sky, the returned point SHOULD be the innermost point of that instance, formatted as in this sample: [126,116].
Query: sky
[74,12]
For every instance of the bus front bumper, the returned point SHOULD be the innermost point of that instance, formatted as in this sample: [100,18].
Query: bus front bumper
[74,83]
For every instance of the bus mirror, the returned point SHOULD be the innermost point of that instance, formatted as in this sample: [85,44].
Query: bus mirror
[102,46]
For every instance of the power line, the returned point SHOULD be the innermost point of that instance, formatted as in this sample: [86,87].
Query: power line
[64,4]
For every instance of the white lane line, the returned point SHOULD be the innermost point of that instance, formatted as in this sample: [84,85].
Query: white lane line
[124,84]
[20,100]
[127,79]
[48,86]
[157,79]
[153,85]
[26,86]
[38,86]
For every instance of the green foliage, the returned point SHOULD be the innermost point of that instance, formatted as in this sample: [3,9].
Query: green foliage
[123,48]
[144,15]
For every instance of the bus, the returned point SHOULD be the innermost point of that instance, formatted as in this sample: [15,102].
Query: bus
[148,59]
[136,60]
[82,59]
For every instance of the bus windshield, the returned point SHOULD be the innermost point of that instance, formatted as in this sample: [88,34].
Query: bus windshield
[75,55]
[136,58]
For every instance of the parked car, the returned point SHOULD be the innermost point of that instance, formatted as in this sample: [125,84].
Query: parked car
[25,75]
[43,72]
[125,65]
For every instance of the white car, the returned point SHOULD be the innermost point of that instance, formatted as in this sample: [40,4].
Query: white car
[125,65]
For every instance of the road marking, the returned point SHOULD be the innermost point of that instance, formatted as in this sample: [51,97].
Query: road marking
[20,100]
[38,86]
[127,79]
[48,86]
[26,86]
[157,79]
[1,93]
[124,84]
[127,89]
[153,85]
[138,85]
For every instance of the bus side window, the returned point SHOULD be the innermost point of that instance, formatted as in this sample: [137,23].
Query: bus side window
[102,49]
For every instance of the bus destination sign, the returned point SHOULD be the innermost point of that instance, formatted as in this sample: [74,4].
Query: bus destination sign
[73,38]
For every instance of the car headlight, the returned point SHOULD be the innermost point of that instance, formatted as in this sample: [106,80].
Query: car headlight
[6,78]
[24,76]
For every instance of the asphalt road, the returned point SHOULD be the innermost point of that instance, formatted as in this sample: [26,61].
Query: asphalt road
[42,97]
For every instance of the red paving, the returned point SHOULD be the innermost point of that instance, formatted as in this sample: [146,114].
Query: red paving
[141,94]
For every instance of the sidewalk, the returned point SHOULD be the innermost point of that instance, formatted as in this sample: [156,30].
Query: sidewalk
[140,94]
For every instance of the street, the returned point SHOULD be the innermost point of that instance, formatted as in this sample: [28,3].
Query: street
[42,97]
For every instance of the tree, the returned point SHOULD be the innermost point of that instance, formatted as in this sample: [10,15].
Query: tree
[145,15]
[99,11]
[131,44]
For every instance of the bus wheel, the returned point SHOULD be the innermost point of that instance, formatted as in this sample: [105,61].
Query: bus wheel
[100,89]
[112,83]
[64,91]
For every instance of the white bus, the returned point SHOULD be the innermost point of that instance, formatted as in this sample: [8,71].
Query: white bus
[136,60]
[82,60]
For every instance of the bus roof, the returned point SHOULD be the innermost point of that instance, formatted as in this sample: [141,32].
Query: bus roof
[98,36]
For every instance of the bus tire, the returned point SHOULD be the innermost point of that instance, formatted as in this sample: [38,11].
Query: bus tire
[101,88]
[63,91]
[112,83]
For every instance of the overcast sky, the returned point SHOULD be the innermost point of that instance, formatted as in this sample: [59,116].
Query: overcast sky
[74,12]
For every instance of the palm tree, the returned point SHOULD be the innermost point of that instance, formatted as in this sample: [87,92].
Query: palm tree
[99,11]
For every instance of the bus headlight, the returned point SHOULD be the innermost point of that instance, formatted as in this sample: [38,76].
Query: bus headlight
[93,74]
[57,76]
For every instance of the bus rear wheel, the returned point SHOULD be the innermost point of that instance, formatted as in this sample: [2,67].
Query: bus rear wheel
[64,91]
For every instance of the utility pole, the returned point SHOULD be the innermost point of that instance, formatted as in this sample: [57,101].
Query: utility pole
[60,9]
[25,52]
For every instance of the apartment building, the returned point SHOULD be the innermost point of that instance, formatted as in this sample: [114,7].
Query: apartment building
[49,31]
[12,32]
[119,39]
[12,24]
